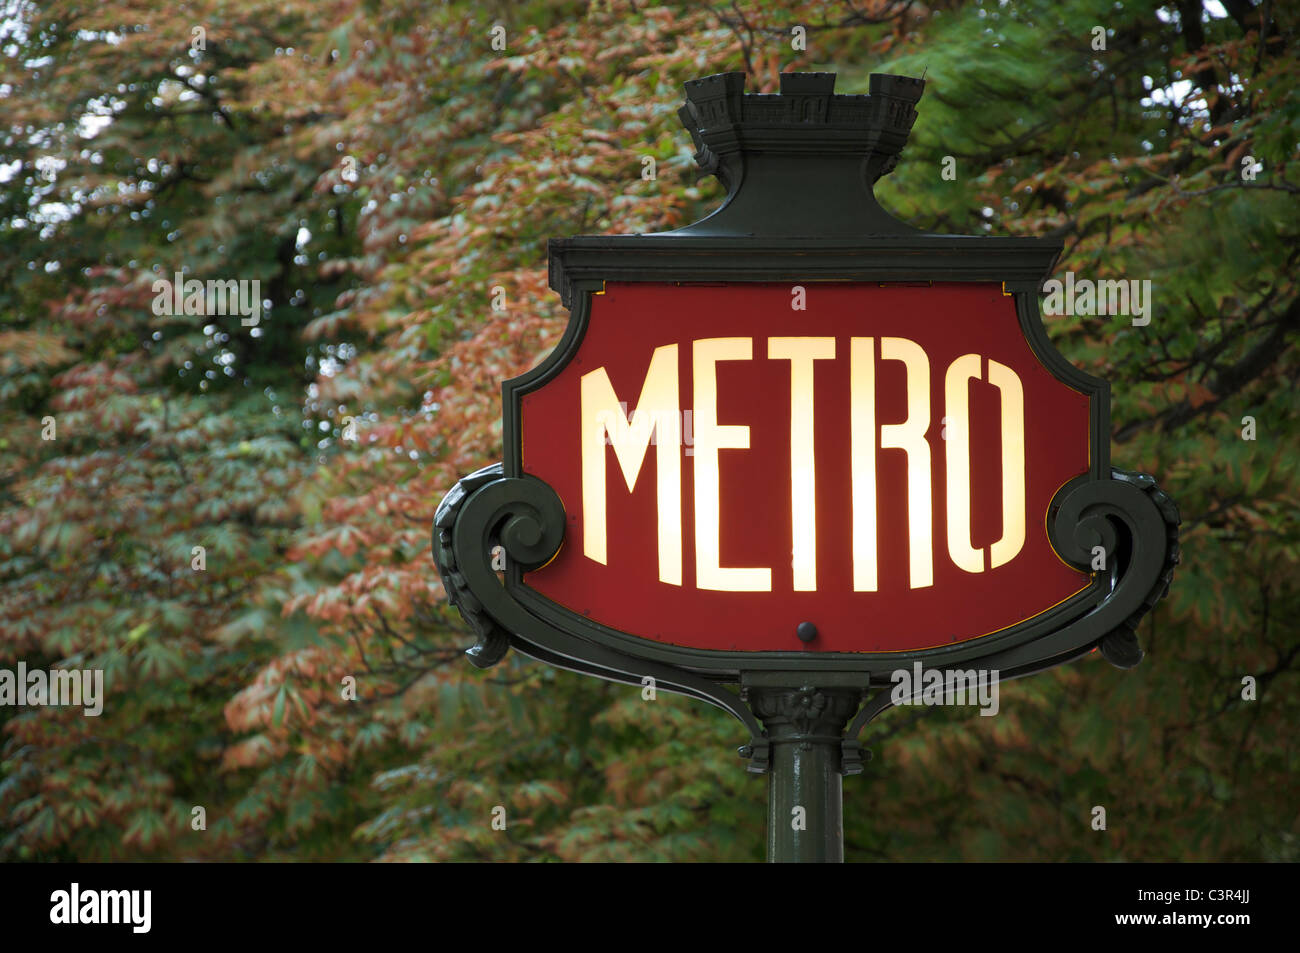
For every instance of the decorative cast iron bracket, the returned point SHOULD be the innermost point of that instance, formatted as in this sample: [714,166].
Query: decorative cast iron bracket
[522,515]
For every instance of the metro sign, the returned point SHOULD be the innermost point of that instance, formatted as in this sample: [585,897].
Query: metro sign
[881,465]
[799,445]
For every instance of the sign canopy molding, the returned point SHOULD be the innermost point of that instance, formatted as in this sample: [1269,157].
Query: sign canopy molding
[799,445]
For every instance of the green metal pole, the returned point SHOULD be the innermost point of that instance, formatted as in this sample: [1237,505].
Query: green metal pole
[805,728]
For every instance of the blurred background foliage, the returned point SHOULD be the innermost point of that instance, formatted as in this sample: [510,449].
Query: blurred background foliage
[378,168]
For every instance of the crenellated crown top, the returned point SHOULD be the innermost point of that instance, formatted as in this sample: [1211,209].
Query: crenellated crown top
[806,117]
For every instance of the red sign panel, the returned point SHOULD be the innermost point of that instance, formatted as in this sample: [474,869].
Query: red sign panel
[737,459]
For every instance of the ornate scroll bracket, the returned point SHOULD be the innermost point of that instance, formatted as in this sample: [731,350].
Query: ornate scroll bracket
[1120,646]
[525,517]
[1135,525]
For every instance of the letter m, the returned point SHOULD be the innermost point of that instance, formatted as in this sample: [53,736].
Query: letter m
[65,687]
[1115,294]
[962,684]
[119,903]
[223,296]
[657,412]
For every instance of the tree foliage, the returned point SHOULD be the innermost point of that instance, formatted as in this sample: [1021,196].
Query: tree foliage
[381,171]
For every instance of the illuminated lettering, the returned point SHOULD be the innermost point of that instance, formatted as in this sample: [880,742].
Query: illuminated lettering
[801,352]
[909,436]
[1013,465]
[658,418]
[710,437]
[955,399]
[862,449]
[656,412]
[956,393]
